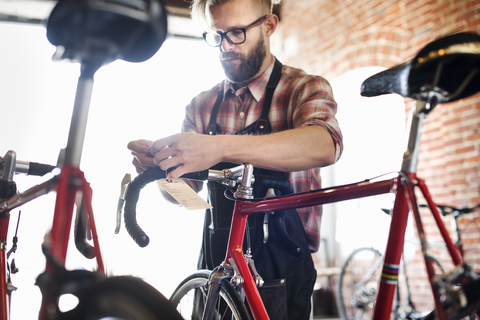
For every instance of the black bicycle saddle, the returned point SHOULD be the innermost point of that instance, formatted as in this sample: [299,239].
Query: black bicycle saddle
[131,30]
[448,68]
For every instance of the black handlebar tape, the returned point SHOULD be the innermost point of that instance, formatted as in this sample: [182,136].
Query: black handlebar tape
[39,169]
[80,235]
[283,238]
[199,175]
[131,199]
[133,194]
[271,181]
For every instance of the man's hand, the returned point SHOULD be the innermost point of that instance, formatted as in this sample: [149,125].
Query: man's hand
[188,152]
[142,159]
[290,150]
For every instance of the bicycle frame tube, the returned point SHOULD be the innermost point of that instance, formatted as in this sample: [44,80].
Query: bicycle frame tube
[5,296]
[405,202]
[67,187]
[393,253]
[243,209]
[71,178]
[70,182]
[234,250]
[454,252]
[322,196]
[4,293]
[8,189]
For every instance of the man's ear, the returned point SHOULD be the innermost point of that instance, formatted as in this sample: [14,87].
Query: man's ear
[271,24]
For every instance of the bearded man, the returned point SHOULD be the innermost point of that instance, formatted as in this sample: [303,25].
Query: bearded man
[272,116]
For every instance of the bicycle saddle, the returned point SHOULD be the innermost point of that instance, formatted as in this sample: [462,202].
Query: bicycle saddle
[131,30]
[447,68]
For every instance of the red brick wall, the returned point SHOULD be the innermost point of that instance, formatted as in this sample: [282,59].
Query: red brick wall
[331,37]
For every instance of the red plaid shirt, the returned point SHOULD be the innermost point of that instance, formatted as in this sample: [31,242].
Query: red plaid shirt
[299,100]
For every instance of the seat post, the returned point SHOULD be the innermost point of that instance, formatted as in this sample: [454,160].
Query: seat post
[81,107]
[410,157]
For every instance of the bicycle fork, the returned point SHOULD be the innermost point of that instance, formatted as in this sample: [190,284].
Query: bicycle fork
[235,264]
[221,273]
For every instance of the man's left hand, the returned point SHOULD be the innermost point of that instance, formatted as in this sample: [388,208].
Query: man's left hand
[188,152]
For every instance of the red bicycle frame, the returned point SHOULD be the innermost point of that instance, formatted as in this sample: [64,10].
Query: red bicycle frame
[71,181]
[68,183]
[5,295]
[402,185]
[59,234]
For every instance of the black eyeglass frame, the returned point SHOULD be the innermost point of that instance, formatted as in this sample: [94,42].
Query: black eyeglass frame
[224,35]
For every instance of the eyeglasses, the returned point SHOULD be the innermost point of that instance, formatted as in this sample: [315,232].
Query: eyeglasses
[234,36]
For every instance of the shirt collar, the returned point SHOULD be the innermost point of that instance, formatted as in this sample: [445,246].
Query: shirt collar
[258,86]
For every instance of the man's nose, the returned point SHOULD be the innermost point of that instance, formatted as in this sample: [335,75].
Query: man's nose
[226,46]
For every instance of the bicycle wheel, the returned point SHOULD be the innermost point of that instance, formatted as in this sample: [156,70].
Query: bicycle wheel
[122,298]
[189,298]
[408,309]
[358,283]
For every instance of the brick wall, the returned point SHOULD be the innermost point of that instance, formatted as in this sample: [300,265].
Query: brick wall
[331,37]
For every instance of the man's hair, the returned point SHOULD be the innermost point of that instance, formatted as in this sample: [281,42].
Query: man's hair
[200,8]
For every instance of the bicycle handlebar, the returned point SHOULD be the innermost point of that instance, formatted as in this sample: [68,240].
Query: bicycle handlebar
[29,168]
[446,210]
[38,169]
[153,174]
[455,212]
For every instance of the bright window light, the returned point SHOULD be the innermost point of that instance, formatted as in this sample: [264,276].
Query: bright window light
[130,101]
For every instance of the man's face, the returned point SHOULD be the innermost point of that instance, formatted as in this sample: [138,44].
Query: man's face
[244,66]
[240,62]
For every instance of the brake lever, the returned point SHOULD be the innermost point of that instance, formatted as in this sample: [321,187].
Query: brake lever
[270,193]
[121,200]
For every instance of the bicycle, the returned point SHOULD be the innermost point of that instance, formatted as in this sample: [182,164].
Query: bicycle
[357,286]
[361,273]
[456,213]
[443,71]
[87,32]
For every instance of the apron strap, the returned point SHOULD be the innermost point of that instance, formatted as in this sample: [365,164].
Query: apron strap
[262,125]
[213,128]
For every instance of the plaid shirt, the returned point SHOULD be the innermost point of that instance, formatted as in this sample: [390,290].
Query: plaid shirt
[299,100]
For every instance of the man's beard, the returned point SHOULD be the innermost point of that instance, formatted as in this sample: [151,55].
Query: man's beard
[248,67]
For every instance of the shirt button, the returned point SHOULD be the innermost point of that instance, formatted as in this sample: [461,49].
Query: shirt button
[242,114]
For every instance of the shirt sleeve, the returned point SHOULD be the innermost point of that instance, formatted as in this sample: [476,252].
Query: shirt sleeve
[188,124]
[315,105]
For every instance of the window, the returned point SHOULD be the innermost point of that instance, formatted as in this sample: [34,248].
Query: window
[374,140]
[130,101]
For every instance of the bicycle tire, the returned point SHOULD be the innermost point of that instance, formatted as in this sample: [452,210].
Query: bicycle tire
[471,307]
[358,303]
[122,298]
[408,310]
[194,287]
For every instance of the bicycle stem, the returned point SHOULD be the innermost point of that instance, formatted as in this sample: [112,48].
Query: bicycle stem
[9,164]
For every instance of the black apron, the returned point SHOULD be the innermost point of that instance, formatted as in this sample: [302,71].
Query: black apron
[289,280]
